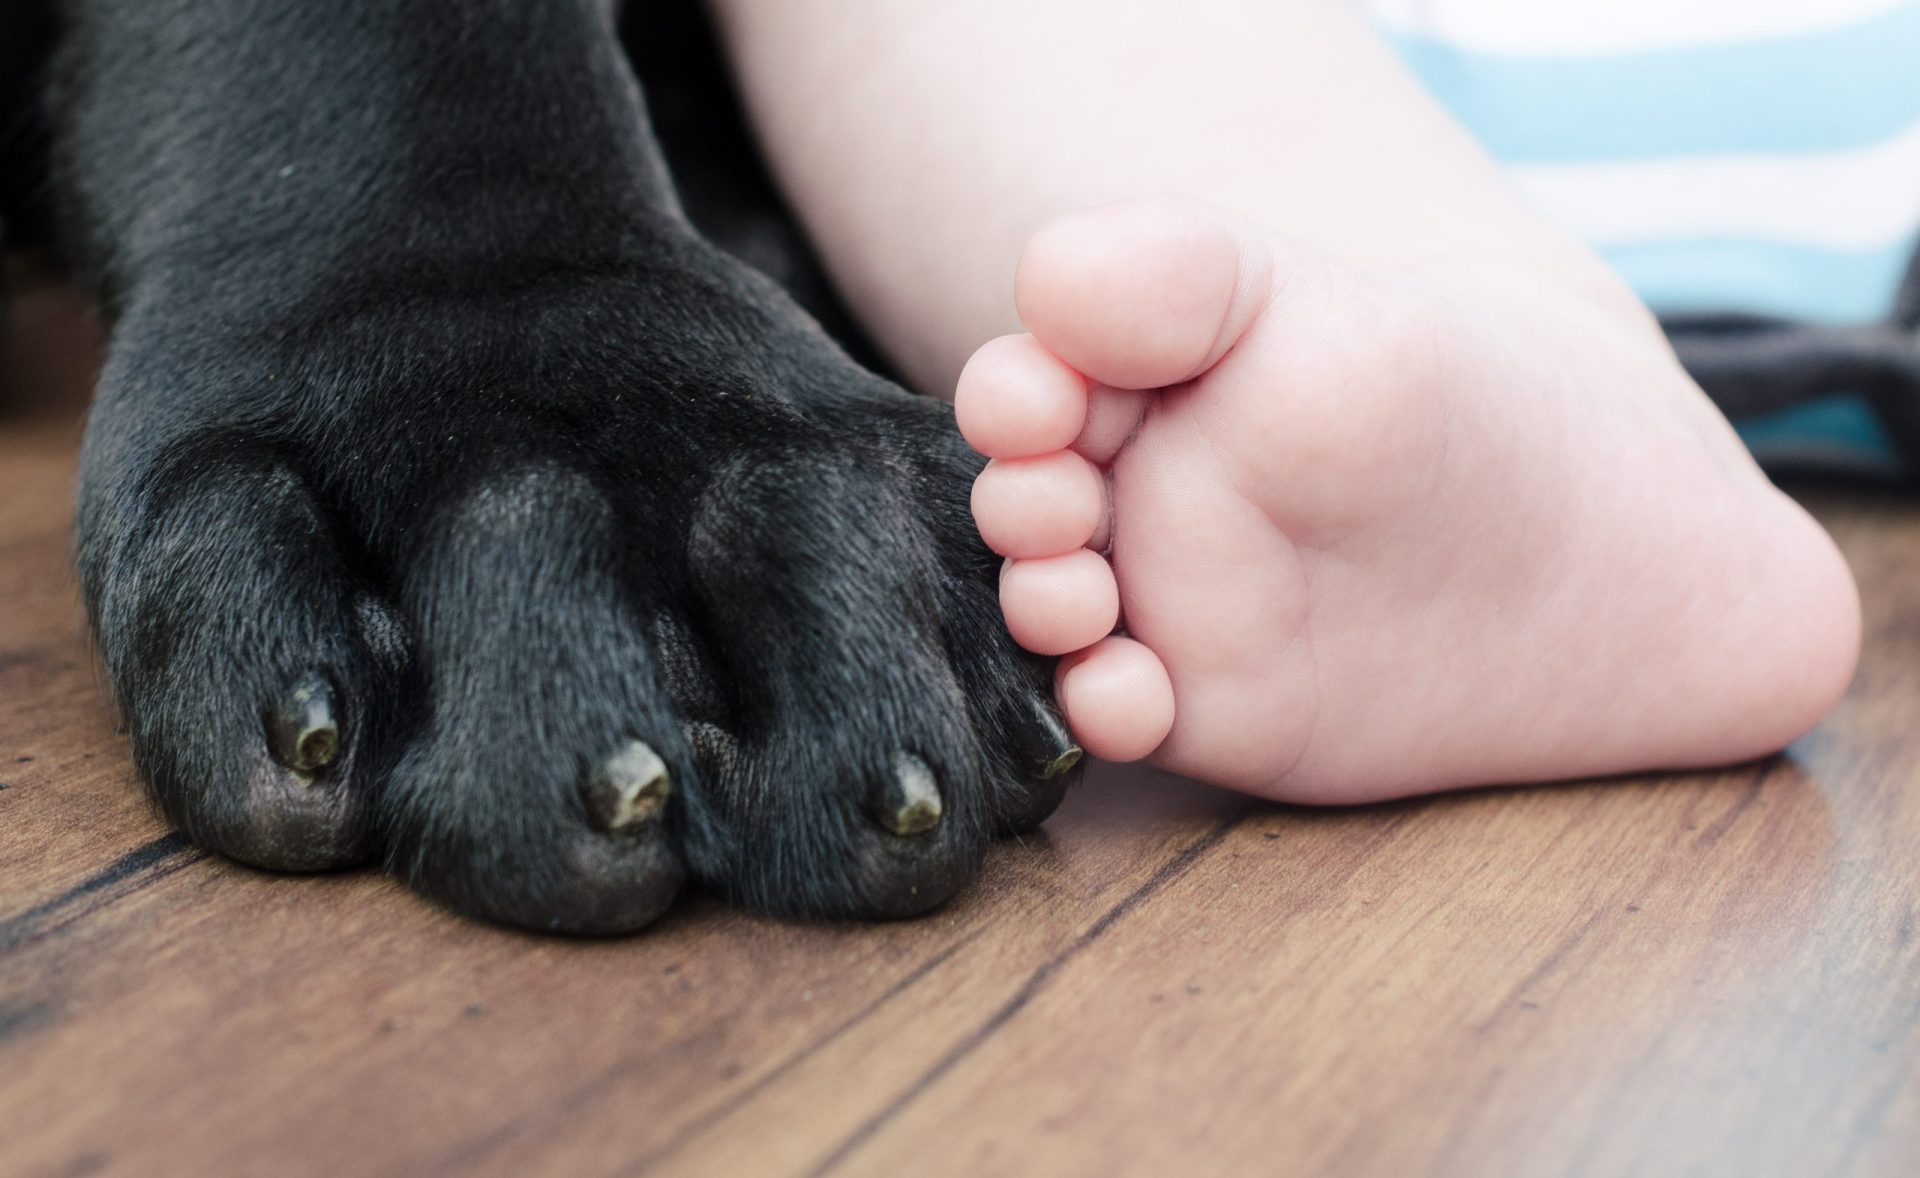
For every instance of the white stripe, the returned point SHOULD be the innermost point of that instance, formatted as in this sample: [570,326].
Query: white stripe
[1842,200]
[1585,27]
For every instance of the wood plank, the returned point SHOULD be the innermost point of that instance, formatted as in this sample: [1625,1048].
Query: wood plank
[1714,973]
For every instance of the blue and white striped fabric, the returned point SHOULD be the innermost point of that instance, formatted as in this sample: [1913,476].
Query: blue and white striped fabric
[1754,156]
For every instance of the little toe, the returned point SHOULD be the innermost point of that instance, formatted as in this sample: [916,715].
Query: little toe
[1037,507]
[1060,604]
[1143,294]
[1117,697]
[227,619]
[1015,399]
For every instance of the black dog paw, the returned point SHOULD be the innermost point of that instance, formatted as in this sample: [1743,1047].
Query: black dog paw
[557,587]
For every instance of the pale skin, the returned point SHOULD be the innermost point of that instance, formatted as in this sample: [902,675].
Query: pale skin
[1396,487]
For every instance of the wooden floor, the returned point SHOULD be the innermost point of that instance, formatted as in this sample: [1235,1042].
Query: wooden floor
[1704,975]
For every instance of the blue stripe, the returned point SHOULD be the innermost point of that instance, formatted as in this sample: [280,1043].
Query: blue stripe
[1847,87]
[1764,277]
[1841,430]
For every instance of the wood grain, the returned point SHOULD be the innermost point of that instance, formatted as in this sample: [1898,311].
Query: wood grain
[1705,974]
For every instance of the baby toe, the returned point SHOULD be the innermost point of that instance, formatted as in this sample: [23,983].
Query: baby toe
[1117,697]
[1015,399]
[1142,294]
[1060,604]
[1038,507]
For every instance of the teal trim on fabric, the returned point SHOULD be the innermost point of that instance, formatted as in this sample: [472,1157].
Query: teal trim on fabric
[1843,425]
[1765,277]
[1848,87]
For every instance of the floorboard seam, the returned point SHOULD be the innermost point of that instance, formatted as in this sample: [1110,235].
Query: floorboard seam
[150,861]
[460,1158]
[1169,871]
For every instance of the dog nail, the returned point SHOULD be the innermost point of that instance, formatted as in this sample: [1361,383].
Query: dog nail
[631,787]
[911,803]
[1049,747]
[303,731]
[1063,763]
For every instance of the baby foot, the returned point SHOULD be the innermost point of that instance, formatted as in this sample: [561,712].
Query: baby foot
[1374,534]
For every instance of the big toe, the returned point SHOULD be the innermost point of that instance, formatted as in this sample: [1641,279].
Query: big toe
[1143,294]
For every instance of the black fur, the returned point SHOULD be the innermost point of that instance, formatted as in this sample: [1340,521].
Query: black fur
[26,38]
[422,389]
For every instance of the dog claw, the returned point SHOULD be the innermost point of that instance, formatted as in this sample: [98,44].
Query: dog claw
[631,787]
[1063,763]
[303,731]
[911,803]
[1050,748]
[1052,761]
